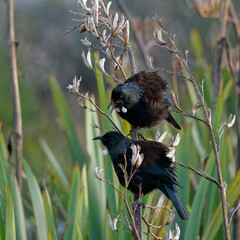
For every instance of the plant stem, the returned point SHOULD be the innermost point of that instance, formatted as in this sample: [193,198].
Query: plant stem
[134,135]
[216,154]
[141,46]
[17,131]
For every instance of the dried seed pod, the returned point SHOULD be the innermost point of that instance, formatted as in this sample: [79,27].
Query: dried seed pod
[87,59]
[157,35]
[82,28]
[83,5]
[95,13]
[195,107]
[137,158]
[120,26]
[126,32]
[231,120]
[106,9]
[114,23]
[206,8]
[97,172]
[100,66]
[93,28]
[113,223]
[86,42]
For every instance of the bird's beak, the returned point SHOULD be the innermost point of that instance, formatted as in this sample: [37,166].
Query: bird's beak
[97,138]
[112,104]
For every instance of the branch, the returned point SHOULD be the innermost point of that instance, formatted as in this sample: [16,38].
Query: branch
[224,17]
[209,124]
[200,173]
[232,212]
[17,131]
[136,33]
[100,110]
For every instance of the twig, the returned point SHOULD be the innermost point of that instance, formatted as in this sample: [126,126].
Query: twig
[236,21]
[100,110]
[174,73]
[131,59]
[229,61]
[200,173]
[189,115]
[134,135]
[223,17]
[158,207]
[217,160]
[136,33]
[149,228]
[211,130]
[232,212]
[135,230]
[17,131]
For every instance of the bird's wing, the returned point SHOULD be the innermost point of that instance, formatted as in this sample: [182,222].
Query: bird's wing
[162,174]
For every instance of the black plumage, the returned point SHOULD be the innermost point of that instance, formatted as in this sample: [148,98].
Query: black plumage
[156,171]
[142,100]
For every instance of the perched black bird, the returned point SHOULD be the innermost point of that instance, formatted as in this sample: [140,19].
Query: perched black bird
[142,100]
[155,172]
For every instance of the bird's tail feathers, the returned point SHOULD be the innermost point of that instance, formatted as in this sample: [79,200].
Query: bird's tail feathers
[176,202]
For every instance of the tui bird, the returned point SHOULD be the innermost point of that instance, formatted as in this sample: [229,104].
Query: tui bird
[142,100]
[156,171]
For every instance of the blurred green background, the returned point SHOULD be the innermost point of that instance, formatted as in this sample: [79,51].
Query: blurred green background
[45,52]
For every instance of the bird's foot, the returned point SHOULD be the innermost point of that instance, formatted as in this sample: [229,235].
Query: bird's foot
[137,203]
[133,131]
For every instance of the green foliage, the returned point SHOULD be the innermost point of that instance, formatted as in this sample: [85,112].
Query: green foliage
[85,201]
[10,219]
[65,116]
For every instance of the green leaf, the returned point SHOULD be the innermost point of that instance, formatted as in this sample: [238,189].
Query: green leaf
[37,202]
[54,162]
[49,215]
[96,189]
[4,177]
[65,116]
[183,156]
[73,201]
[18,210]
[76,232]
[106,124]
[10,221]
[233,193]
[197,207]
[196,44]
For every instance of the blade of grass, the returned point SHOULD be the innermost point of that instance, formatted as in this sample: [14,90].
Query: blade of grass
[54,162]
[106,125]
[73,201]
[183,155]
[233,193]
[197,209]
[18,210]
[76,232]
[96,189]
[67,121]
[10,219]
[37,203]
[52,233]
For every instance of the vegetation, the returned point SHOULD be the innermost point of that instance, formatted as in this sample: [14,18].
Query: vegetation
[76,205]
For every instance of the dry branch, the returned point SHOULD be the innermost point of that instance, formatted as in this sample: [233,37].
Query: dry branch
[17,130]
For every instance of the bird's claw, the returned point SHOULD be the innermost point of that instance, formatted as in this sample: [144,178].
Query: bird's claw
[133,131]
[137,203]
